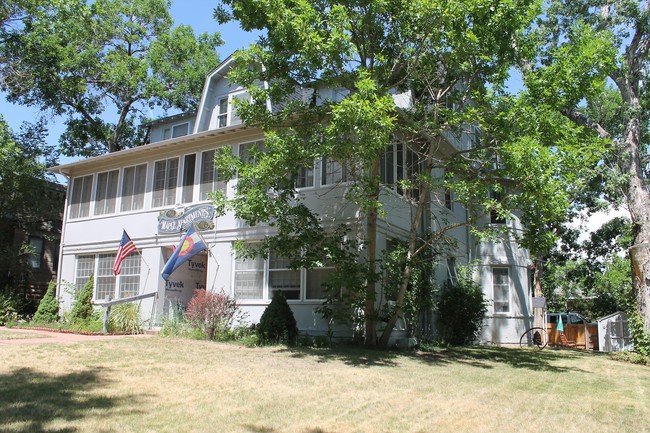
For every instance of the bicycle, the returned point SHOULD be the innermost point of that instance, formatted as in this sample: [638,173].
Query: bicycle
[535,336]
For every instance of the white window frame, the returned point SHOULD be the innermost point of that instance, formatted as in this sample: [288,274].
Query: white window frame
[332,172]
[104,203]
[134,197]
[81,209]
[304,180]
[397,167]
[100,267]
[164,197]
[264,270]
[84,269]
[242,147]
[495,288]
[175,129]
[209,180]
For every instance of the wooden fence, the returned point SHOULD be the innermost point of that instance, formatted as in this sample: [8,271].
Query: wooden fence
[585,336]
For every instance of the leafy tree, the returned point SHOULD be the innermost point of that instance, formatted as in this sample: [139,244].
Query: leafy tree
[591,67]
[450,60]
[48,308]
[23,158]
[593,276]
[108,59]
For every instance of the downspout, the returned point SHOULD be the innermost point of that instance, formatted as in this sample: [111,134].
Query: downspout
[63,227]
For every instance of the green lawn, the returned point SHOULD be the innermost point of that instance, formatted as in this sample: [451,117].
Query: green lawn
[137,384]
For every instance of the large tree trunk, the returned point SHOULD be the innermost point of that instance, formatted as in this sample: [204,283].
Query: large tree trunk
[638,201]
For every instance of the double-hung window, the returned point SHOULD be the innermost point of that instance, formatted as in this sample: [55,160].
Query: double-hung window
[126,284]
[399,163]
[282,278]
[259,279]
[315,282]
[247,151]
[164,182]
[332,171]
[106,192]
[133,185]
[222,112]
[180,130]
[305,177]
[81,196]
[501,289]
[36,258]
[249,278]
[211,180]
[85,269]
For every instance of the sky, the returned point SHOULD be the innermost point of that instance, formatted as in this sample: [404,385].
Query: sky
[195,13]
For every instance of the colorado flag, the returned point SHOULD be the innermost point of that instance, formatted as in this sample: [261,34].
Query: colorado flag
[190,245]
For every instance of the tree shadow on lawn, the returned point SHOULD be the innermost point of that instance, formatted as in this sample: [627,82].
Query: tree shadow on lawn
[477,356]
[261,429]
[30,399]
[487,356]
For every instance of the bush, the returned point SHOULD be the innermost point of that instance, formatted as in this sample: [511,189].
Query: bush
[178,326]
[640,337]
[10,306]
[125,318]
[631,357]
[212,312]
[277,324]
[82,308]
[48,308]
[461,310]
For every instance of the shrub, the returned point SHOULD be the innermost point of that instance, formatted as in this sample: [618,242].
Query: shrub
[125,318]
[10,306]
[461,309]
[631,357]
[277,324]
[178,326]
[48,308]
[212,312]
[82,307]
[639,335]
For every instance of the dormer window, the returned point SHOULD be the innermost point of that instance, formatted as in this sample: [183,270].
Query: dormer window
[176,131]
[222,115]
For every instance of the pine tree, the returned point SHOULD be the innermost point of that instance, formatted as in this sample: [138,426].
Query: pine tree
[48,308]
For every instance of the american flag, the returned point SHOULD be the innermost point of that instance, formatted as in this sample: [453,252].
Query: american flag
[126,248]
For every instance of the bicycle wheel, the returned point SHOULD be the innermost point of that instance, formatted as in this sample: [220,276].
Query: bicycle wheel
[535,336]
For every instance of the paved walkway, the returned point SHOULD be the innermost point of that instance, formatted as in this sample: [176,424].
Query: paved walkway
[29,336]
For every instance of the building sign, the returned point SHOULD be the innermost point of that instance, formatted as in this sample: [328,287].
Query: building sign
[171,221]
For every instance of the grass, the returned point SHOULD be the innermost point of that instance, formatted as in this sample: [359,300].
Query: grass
[175,385]
[12,335]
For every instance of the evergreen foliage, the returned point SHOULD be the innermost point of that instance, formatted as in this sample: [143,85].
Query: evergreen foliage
[461,309]
[277,324]
[82,308]
[48,308]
